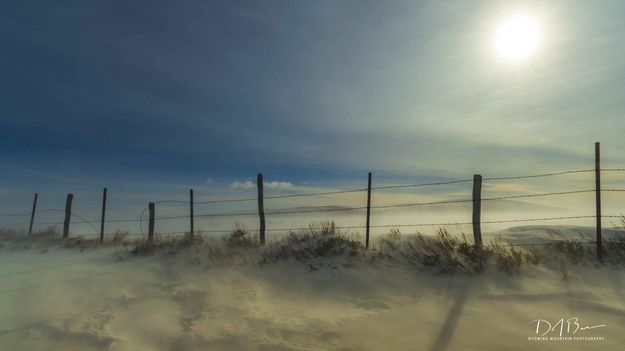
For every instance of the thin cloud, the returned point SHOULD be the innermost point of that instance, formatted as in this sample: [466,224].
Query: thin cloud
[279,185]
[247,185]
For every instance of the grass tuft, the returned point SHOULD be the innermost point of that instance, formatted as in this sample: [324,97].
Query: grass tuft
[241,238]
[321,240]
[324,243]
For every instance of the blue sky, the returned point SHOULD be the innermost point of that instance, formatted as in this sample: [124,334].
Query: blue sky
[141,95]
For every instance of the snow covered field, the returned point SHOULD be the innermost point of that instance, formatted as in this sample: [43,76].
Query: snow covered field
[105,299]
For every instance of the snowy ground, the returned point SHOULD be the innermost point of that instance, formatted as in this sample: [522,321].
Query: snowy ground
[65,299]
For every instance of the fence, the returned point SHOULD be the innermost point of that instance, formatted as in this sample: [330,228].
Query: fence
[476,201]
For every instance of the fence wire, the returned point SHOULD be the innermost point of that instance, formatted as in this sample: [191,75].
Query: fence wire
[343,209]
[313,210]
[440,224]
[539,175]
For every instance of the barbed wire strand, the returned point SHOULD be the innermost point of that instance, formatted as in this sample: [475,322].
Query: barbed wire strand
[283,196]
[420,184]
[550,244]
[536,195]
[373,188]
[540,175]
[280,212]
[398,186]
[400,225]
[15,215]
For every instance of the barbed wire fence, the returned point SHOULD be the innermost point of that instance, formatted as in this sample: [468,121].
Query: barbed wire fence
[71,217]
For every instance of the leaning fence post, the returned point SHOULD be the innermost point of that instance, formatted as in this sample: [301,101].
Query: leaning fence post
[32,214]
[261,207]
[368,211]
[598,198]
[191,212]
[477,210]
[151,221]
[68,214]
[103,215]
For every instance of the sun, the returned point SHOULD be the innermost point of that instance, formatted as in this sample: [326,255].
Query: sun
[517,38]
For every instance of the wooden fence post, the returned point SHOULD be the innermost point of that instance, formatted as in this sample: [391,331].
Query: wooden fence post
[151,221]
[32,214]
[103,216]
[191,212]
[261,207]
[368,210]
[598,198]
[68,214]
[477,210]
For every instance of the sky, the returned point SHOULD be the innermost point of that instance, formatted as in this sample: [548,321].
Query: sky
[150,98]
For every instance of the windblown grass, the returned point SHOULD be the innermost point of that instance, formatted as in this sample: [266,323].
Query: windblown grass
[320,240]
[241,238]
[168,245]
[50,237]
[326,242]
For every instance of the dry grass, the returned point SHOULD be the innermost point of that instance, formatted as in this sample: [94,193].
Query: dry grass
[20,240]
[449,254]
[241,238]
[573,250]
[50,237]
[168,245]
[320,240]
[443,253]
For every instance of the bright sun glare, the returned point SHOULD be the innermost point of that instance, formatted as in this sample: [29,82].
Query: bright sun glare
[517,38]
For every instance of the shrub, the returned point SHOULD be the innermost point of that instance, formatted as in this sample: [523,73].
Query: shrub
[438,252]
[170,245]
[241,238]
[322,239]
[573,250]
[121,237]
[392,241]
[144,247]
[509,260]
